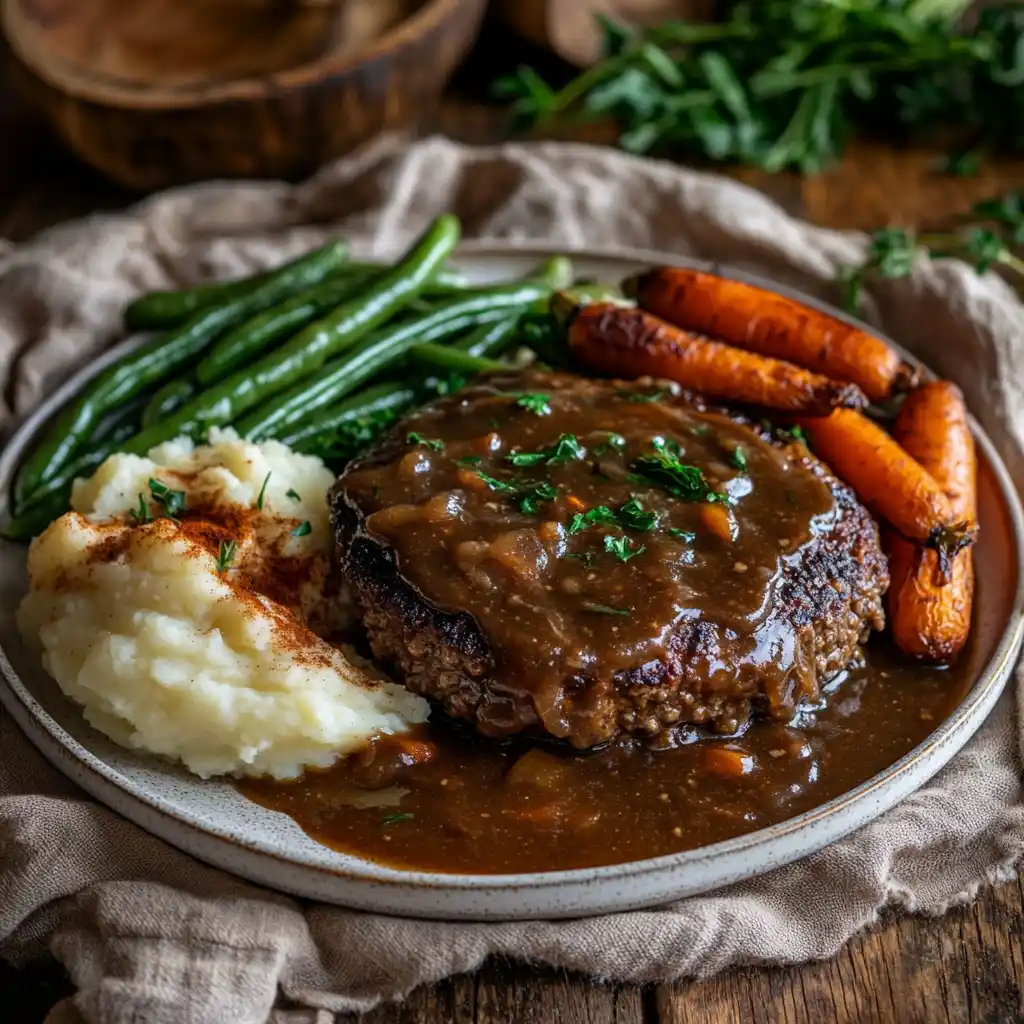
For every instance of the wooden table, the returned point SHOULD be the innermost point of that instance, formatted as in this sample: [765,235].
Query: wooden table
[966,966]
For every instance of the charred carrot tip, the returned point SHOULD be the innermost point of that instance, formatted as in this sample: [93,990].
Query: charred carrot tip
[906,378]
[948,541]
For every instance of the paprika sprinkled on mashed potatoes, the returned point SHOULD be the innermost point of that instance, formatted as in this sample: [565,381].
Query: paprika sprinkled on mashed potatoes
[180,604]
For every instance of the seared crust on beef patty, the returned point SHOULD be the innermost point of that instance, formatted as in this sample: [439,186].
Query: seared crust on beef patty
[827,598]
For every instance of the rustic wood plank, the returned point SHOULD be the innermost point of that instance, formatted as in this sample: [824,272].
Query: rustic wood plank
[967,966]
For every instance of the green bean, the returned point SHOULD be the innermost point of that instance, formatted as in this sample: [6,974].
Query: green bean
[173,395]
[490,340]
[162,310]
[51,499]
[450,358]
[343,375]
[379,398]
[557,272]
[444,282]
[157,359]
[258,333]
[308,350]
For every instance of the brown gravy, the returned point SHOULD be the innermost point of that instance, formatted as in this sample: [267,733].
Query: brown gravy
[482,807]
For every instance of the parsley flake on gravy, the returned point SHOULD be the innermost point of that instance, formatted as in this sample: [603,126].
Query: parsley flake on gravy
[433,443]
[622,548]
[566,449]
[303,529]
[664,469]
[532,401]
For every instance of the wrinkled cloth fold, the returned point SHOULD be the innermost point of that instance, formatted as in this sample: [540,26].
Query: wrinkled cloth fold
[146,932]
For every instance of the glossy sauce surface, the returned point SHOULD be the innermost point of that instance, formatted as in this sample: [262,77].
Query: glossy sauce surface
[482,807]
[582,524]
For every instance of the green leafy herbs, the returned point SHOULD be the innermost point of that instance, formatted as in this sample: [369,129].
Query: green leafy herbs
[469,460]
[226,554]
[622,548]
[502,486]
[537,495]
[566,449]
[663,468]
[293,494]
[592,517]
[613,443]
[433,443]
[687,536]
[394,819]
[631,515]
[304,529]
[738,458]
[603,609]
[263,491]
[987,238]
[171,501]
[531,401]
[784,83]
[140,514]
[530,495]
[346,441]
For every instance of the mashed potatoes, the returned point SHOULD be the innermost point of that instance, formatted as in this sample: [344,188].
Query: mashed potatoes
[164,632]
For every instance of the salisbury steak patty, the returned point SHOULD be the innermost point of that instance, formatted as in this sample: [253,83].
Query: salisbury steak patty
[540,552]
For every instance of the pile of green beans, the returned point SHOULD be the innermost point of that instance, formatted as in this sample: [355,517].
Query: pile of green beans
[312,353]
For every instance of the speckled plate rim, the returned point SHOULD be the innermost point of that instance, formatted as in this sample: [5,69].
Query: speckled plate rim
[366,885]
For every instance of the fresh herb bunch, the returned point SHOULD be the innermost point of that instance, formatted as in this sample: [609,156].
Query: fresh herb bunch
[995,229]
[782,83]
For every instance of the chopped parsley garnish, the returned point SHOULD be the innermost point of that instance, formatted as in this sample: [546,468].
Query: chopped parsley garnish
[497,485]
[293,494]
[532,401]
[394,819]
[173,502]
[263,491]
[615,442]
[598,514]
[469,460]
[542,492]
[603,609]
[566,449]
[640,396]
[700,429]
[622,548]
[630,516]
[141,513]
[433,443]
[664,469]
[738,457]
[633,516]
[685,535]
[303,529]
[226,554]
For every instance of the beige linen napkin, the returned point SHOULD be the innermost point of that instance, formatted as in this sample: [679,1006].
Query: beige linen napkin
[147,933]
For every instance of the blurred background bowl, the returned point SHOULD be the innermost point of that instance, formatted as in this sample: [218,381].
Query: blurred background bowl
[158,92]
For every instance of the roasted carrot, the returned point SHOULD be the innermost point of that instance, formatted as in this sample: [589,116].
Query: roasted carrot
[772,325]
[930,618]
[630,343]
[889,481]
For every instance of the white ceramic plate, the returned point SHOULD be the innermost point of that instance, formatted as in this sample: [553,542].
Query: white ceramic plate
[213,822]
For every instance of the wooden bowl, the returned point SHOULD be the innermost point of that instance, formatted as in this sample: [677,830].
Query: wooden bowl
[159,92]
